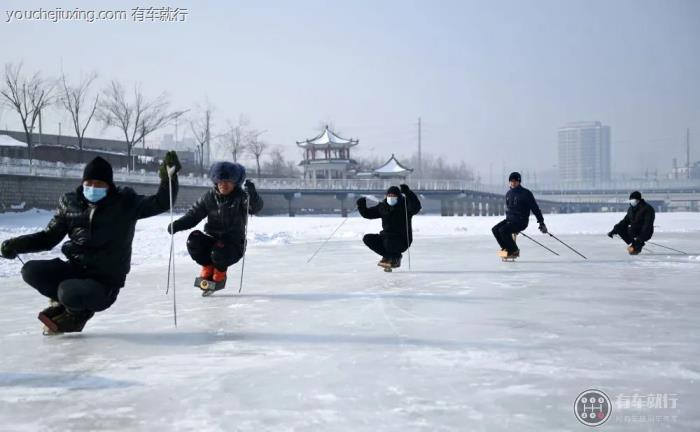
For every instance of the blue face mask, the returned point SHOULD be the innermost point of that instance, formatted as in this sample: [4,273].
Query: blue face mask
[94,194]
[392,200]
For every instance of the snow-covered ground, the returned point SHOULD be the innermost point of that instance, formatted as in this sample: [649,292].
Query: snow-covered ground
[460,342]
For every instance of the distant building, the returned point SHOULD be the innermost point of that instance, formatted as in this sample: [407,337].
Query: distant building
[61,148]
[584,152]
[327,156]
[392,169]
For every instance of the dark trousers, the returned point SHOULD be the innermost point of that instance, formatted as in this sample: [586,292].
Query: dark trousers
[503,231]
[60,280]
[628,235]
[207,250]
[386,246]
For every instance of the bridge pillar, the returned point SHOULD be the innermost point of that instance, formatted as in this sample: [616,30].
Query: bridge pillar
[443,207]
[290,197]
[470,206]
[484,207]
[460,207]
[343,209]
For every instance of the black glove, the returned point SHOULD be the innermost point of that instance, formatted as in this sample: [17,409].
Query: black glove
[543,228]
[611,233]
[250,187]
[170,228]
[404,189]
[362,202]
[171,164]
[7,250]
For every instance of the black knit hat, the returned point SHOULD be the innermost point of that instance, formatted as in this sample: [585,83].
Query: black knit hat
[393,191]
[98,169]
[514,176]
[636,195]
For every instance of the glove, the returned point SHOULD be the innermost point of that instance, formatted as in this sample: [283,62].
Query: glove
[170,229]
[7,250]
[611,233]
[170,166]
[404,189]
[543,228]
[250,187]
[362,202]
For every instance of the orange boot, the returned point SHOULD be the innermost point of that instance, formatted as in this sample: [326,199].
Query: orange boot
[207,272]
[219,276]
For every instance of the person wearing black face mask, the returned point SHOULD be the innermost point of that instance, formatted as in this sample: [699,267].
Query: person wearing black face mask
[396,213]
[637,226]
[99,219]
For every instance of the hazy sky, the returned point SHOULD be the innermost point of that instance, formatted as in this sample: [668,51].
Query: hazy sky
[492,80]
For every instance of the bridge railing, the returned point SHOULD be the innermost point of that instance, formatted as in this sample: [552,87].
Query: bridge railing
[618,185]
[48,169]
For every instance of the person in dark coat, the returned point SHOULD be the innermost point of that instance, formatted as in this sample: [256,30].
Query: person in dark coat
[637,226]
[99,219]
[396,212]
[519,203]
[223,242]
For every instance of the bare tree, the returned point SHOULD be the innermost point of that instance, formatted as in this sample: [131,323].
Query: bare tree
[256,147]
[135,118]
[27,97]
[201,129]
[234,140]
[278,166]
[81,105]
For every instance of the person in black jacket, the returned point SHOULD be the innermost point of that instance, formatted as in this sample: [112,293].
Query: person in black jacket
[638,224]
[99,219]
[519,203]
[223,242]
[396,212]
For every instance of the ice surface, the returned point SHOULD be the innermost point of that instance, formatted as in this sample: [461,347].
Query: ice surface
[461,342]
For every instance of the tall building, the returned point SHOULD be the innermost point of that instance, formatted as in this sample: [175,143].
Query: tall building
[584,152]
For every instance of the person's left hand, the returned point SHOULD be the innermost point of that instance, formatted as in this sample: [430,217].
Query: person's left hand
[543,228]
[404,189]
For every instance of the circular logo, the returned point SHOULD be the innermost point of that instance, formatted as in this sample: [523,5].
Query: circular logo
[592,407]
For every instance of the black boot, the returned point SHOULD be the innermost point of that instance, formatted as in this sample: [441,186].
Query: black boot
[72,322]
[396,262]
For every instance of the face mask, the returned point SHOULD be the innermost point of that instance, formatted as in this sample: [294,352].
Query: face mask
[634,202]
[392,200]
[94,194]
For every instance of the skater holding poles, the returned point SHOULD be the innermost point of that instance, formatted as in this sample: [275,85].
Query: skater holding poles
[396,212]
[519,203]
[99,219]
[226,207]
[637,226]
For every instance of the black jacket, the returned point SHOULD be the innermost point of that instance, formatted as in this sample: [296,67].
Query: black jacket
[519,203]
[100,235]
[225,214]
[639,219]
[394,217]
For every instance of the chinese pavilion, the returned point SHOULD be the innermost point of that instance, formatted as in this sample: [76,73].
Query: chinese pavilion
[327,156]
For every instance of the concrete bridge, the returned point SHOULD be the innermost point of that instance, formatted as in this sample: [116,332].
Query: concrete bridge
[41,184]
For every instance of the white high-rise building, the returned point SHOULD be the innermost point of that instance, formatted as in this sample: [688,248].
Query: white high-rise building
[584,152]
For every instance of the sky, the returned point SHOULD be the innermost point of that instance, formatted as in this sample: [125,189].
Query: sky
[491,80]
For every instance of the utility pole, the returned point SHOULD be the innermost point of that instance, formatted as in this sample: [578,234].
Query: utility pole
[687,150]
[420,154]
[208,137]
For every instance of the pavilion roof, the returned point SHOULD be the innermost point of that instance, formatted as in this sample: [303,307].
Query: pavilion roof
[327,138]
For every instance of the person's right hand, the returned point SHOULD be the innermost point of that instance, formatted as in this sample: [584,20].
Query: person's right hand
[611,234]
[170,229]
[7,250]
[362,202]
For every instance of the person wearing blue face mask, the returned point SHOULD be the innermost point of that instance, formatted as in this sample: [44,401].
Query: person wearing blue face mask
[99,219]
[396,213]
[637,227]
